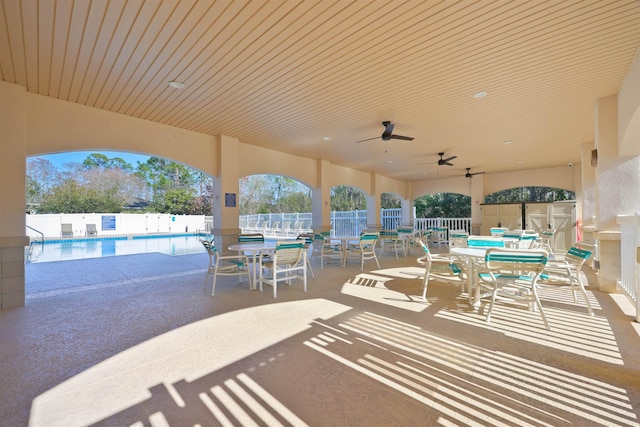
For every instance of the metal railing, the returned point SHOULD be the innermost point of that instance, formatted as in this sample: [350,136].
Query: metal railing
[345,223]
[31,242]
[424,224]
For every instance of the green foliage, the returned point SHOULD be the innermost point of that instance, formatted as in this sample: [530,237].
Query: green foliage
[178,201]
[103,184]
[100,161]
[70,196]
[390,201]
[443,205]
[346,198]
[273,193]
[529,194]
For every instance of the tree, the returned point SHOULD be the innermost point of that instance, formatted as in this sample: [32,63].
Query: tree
[69,196]
[162,176]
[273,193]
[346,198]
[443,205]
[529,194]
[390,201]
[100,161]
[178,201]
[42,175]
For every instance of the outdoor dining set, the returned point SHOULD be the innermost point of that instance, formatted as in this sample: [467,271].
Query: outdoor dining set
[507,265]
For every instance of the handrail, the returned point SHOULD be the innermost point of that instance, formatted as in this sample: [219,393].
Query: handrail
[37,231]
[31,243]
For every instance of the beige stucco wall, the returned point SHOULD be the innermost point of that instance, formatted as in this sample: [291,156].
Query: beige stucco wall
[558,177]
[459,185]
[57,126]
[629,112]
[388,185]
[258,160]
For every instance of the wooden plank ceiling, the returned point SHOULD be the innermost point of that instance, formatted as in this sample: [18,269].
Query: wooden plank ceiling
[286,74]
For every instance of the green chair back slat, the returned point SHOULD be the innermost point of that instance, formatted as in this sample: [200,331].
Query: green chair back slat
[209,246]
[293,244]
[515,258]
[580,253]
[250,238]
[484,243]
[513,234]
[369,236]
[497,230]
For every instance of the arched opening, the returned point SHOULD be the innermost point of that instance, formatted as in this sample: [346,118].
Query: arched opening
[443,205]
[443,211]
[530,194]
[274,205]
[89,204]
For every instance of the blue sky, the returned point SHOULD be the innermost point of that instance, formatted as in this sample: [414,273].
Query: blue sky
[59,160]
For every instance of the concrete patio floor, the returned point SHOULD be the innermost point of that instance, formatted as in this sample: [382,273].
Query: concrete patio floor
[136,341]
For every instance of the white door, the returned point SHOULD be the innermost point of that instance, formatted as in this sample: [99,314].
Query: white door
[563,219]
[490,218]
[537,216]
[511,216]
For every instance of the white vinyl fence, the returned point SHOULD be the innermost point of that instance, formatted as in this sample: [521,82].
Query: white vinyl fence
[49,226]
[630,257]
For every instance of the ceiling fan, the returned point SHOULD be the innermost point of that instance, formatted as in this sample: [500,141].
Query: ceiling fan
[442,160]
[446,161]
[388,134]
[469,174]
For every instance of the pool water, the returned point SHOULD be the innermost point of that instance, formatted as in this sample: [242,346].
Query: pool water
[69,249]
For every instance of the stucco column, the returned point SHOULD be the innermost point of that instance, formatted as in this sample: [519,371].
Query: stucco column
[321,199]
[226,211]
[477,198]
[586,192]
[12,195]
[407,212]
[617,180]
[374,205]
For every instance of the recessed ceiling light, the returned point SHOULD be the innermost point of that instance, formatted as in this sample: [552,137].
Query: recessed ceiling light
[176,85]
[508,142]
[389,161]
[520,162]
[326,138]
[479,95]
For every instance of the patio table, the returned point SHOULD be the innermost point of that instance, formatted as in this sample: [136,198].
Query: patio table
[256,248]
[469,255]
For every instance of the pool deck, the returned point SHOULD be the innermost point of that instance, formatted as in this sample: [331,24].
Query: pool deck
[136,340]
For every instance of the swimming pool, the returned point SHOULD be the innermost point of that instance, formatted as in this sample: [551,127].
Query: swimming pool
[69,249]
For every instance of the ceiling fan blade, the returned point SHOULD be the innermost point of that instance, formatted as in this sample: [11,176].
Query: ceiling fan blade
[478,173]
[447,163]
[368,139]
[404,138]
[450,158]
